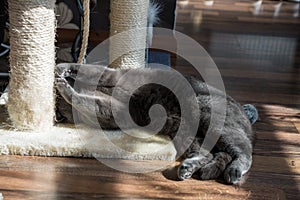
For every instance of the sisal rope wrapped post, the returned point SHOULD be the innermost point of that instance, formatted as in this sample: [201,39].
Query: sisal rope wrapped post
[32,60]
[86,31]
[125,16]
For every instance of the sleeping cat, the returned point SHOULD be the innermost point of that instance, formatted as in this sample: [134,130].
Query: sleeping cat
[231,155]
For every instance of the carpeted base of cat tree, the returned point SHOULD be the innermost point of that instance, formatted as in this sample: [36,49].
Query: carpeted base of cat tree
[82,142]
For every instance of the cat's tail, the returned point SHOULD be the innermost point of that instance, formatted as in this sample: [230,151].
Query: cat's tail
[251,112]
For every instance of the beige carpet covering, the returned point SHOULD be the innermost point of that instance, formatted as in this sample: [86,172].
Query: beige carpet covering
[84,142]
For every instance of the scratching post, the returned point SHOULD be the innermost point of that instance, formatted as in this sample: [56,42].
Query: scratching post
[125,16]
[32,61]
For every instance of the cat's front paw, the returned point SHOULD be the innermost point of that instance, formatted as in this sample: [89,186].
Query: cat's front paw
[233,175]
[185,171]
[62,70]
[67,70]
[64,89]
[61,83]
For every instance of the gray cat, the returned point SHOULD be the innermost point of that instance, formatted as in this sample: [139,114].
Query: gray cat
[231,155]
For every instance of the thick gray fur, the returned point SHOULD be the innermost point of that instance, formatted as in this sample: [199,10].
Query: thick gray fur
[230,157]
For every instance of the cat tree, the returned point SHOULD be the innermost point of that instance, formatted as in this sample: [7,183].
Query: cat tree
[31,101]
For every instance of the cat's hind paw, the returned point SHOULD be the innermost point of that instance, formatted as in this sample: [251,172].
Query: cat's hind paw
[233,175]
[190,165]
[185,171]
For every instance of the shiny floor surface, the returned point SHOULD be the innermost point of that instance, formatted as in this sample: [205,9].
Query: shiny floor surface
[256,47]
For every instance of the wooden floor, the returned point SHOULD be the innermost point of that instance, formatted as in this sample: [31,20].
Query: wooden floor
[257,51]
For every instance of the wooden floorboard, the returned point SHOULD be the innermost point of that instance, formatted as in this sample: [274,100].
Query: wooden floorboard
[258,55]
[57,178]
